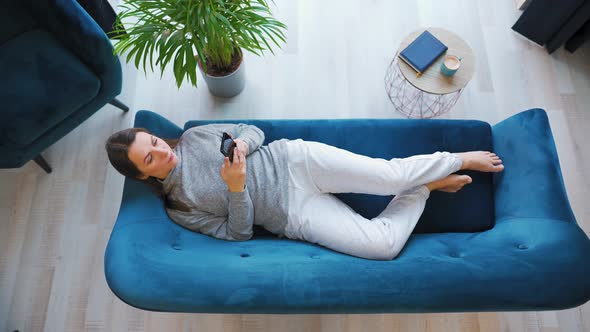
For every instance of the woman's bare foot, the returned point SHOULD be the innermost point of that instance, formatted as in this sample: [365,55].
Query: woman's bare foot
[483,161]
[450,184]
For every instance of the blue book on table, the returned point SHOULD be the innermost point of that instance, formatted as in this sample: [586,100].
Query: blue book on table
[423,51]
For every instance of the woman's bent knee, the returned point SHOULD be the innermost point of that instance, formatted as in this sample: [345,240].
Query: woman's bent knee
[386,256]
[383,253]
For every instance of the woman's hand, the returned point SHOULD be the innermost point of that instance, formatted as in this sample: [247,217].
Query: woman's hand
[234,174]
[243,146]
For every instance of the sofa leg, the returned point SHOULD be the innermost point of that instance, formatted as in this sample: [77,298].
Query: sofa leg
[115,102]
[42,163]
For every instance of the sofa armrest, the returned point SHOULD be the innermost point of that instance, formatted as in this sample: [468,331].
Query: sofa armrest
[78,32]
[157,124]
[531,185]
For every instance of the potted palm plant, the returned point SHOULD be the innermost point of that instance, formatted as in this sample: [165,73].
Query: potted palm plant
[209,34]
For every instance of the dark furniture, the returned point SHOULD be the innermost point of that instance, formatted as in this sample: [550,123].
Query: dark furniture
[104,15]
[58,68]
[555,23]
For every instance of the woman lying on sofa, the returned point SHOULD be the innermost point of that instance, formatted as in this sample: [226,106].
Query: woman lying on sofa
[286,186]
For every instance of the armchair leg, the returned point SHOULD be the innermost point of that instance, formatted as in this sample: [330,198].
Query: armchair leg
[42,163]
[115,102]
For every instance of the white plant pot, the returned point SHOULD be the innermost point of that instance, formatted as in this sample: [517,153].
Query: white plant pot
[226,86]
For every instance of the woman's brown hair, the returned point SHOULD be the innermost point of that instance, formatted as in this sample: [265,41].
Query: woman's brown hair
[117,147]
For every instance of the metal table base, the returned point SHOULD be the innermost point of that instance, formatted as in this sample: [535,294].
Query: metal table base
[413,102]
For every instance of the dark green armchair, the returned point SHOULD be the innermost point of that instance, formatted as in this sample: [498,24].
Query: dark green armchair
[57,68]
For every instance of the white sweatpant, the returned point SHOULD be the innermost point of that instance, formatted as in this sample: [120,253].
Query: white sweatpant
[316,216]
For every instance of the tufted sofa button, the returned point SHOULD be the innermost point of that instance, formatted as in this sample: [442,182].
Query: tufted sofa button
[522,246]
[244,255]
[176,246]
[453,254]
[314,257]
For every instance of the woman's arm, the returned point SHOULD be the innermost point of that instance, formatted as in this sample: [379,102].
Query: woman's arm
[236,226]
[251,135]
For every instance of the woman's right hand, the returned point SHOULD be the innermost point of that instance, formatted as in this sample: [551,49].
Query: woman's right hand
[234,174]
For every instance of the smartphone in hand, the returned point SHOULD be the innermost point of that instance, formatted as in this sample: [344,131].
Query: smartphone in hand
[227,146]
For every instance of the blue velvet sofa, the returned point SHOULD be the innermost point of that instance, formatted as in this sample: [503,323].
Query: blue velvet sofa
[507,242]
[57,68]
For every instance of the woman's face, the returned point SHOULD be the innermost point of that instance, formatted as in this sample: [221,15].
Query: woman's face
[152,156]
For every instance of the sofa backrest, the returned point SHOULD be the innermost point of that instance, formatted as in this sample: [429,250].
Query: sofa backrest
[14,20]
[469,210]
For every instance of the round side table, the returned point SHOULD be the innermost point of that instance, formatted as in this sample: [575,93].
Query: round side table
[432,93]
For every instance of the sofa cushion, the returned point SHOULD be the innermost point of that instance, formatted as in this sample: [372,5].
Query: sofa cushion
[469,210]
[57,84]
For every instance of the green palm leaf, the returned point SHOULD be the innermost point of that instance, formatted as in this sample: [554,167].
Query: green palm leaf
[183,31]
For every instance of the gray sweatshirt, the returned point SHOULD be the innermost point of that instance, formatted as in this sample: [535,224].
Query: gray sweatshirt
[196,182]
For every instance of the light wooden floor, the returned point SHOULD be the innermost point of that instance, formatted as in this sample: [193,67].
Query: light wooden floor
[54,228]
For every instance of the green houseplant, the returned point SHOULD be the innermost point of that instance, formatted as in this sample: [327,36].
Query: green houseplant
[206,33]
